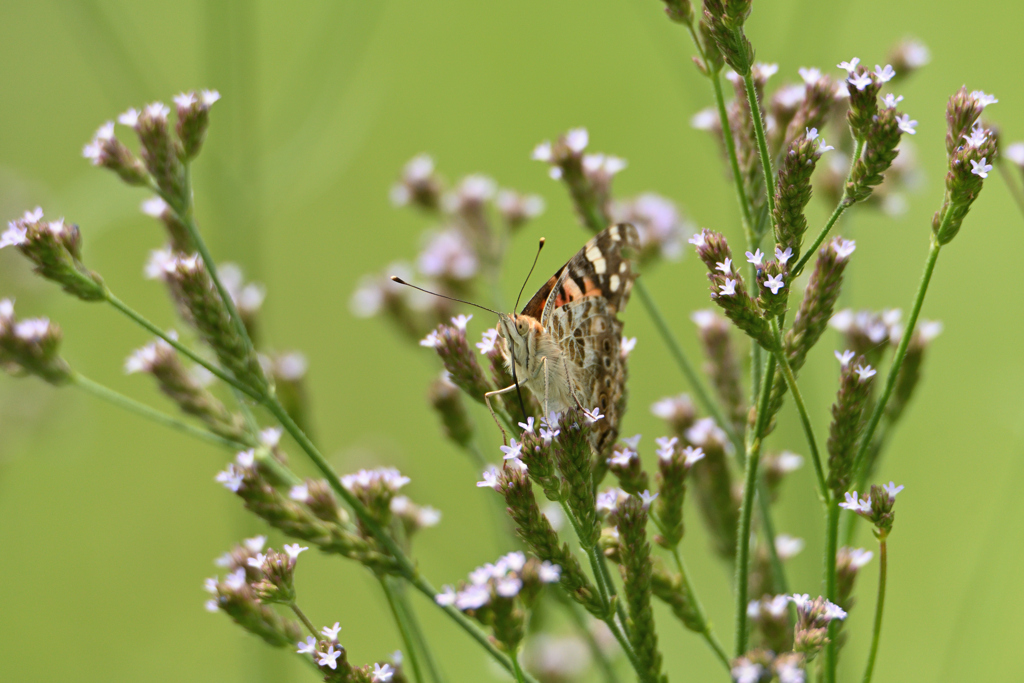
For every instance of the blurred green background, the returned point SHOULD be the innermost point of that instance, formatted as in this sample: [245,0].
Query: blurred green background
[108,525]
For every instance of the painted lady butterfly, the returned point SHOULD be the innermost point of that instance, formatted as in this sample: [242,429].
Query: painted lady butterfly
[567,342]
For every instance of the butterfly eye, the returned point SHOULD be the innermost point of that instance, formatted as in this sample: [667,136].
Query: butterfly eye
[521,327]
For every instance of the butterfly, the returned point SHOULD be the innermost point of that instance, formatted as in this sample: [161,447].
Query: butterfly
[566,344]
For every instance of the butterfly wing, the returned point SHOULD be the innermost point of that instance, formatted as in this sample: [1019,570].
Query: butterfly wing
[579,312]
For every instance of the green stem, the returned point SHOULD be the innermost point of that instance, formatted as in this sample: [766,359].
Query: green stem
[131,405]
[831,549]
[577,616]
[304,619]
[901,352]
[798,399]
[703,397]
[520,676]
[433,667]
[746,508]
[879,606]
[706,630]
[175,344]
[403,628]
[762,144]
[764,507]
[843,205]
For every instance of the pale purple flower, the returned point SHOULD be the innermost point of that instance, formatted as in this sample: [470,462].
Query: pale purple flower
[845,357]
[790,672]
[460,321]
[542,152]
[130,118]
[843,248]
[549,573]
[698,238]
[382,673]
[528,425]
[822,147]
[977,137]
[724,266]
[705,119]
[850,66]
[854,504]
[633,441]
[757,257]
[906,125]
[235,581]
[704,318]
[860,81]
[885,74]
[729,288]
[890,101]
[446,597]
[508,586]
[256,562]
[783,256]
[488,341]
[448,254]
[231,478]
[746,671]
[308,647]
[622,458]
[833,611]
[490,478]
[329,658]
[431,341]
[473,597]
[299,493]
[692,455]
[647,498]
[859,557]
[594,415]
[1015,153]
[627,346]
[984,100]
[14,236]
[513,450]
[577,139]
[293,550]
[892,489]
[809,75]
[331,632]
[864,373]
[774,283]
[980,169]
[788,546]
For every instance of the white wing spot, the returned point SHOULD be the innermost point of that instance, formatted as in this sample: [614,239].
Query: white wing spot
[623,267]
[613,232]
[613,283]
[595,256]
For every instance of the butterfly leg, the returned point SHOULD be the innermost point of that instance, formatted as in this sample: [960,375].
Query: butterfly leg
[572,390]
[487,401]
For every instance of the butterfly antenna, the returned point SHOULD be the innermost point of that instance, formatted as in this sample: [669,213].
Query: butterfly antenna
[521,289]
[395,278]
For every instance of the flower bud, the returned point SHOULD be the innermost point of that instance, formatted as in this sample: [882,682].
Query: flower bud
[31,347]
[55,247]
[193,120]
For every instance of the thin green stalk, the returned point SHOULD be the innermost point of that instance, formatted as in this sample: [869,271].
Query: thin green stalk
[403,628]
[176,345]
[433,668]
[842,206]
[706,631]
[746,508]
[304,619]
[520,676]
[764,507]
[703,397]
[901,352]
[1016,192]
[131,405]
[577,616]
[879,606]
[762,144]
[602,567]
[798,399]
[831,549]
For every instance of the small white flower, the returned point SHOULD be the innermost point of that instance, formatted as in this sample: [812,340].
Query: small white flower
[235,580]
[729,288]
[210,585]
[822,147]
[487,341]
[864,373]
[783,256]
[929,329]
[859,557]
[1015,153]
[130,118]
[382,674]
[446,597]
[231,478]
[490,478]
[577,139]
[256,562]
[549,573]
[892,489]
[647,498]
[513,450]
[293,550]
[632,441]
[622,458]
[431,341]
[667,443]
[885,74]
[854,504]
[845,357]
[833,611]
[788,546]
[528,425]
[270,437]
[890,101]
[789,672]
[984,100]
[474,597]
[697,239]
[157,110]
[185,99]
[14,236]
[850,66]
[427,517]
[542,152]
[774,283]
[746,672]
[692,455]
[977,137]
[594,415]
[329,658]
[724,266]
[212,605]
[331,632]
[758,256]
[508,586]
[980,169]
[299,493]
[308,647]
[460,321]
[843,248]
[860,81]
[704,318]
[810,75]
[705,119]
[801,600]
[906,125]
[628,344]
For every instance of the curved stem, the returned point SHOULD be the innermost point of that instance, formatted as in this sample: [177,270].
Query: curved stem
[746,508]
[433,667]
[879,606]
[576,615]
[764,508]
[831,549]
[403,628]
[518,670]
[843,205]
[176,345]
[762,144]
[706,630]
[798,399]
[131,405]
[304,619]
[901,353]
